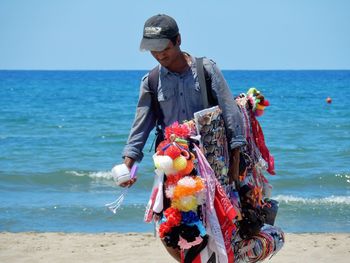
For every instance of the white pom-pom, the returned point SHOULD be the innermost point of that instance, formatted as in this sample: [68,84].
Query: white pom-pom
[187,181]
[164,163]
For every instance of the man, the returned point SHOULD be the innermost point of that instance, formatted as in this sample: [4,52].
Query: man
[178,93]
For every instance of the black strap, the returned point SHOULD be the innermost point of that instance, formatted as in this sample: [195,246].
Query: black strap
[202,82]
[211,99]
[153,81]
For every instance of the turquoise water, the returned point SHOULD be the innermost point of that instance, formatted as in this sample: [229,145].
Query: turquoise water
[62,131]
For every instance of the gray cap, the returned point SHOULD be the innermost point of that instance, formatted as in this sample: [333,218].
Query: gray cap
[157,32]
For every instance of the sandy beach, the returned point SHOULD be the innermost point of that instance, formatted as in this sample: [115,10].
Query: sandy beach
[144,247]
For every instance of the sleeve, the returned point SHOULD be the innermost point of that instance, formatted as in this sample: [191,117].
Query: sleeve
[144,122]
[230,110]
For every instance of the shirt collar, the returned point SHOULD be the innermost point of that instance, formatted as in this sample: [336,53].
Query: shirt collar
[164,71]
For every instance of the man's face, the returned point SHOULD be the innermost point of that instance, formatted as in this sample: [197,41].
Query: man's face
[168,55]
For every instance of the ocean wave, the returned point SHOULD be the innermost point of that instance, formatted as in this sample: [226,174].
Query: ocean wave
[94,175]
[58,178]
[67,179]
[291,180]
[289,199]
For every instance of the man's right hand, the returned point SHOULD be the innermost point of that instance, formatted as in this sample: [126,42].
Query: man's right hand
[129,162]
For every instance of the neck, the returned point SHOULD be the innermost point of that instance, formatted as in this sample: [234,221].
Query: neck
[181,63]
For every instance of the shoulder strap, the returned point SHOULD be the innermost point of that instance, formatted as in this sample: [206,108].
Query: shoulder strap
[212,101]
[202,82]
[205,81]
[153,81]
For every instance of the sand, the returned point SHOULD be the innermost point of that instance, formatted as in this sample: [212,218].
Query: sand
[139,248]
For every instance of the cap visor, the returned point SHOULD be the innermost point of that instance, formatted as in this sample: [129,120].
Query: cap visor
[148,44]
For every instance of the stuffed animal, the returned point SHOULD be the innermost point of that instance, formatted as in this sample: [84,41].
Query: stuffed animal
[257,101]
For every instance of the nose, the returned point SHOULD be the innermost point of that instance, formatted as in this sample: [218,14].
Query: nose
[158,54]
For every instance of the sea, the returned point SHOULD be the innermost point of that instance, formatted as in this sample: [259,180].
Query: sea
[61,132]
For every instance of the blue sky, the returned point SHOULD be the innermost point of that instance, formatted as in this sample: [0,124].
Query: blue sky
[237,34]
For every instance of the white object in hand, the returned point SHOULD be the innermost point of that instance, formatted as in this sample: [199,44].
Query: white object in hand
[121,173]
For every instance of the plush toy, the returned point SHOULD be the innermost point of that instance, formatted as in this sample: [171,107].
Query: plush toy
[180,225]
[257,101]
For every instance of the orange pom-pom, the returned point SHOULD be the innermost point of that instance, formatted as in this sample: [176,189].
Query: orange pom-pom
[173,151]
[188,186]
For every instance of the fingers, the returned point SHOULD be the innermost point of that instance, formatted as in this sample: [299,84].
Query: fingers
[128,183]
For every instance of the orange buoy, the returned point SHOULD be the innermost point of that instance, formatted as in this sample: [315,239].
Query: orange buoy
[329,100]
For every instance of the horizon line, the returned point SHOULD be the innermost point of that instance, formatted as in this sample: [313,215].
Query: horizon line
[301,69]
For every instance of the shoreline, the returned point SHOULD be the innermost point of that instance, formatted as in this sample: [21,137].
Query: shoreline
[144,247]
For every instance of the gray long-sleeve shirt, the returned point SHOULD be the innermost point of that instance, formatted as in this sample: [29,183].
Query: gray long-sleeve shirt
[179,98]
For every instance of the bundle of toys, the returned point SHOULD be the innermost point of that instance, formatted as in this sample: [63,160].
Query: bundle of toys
[197,208]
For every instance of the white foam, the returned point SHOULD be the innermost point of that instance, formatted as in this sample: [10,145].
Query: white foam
[93,175]
[322,201]
[101,175]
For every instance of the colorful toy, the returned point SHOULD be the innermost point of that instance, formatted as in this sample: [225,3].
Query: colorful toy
[257,101]
[201,205]
[180,226]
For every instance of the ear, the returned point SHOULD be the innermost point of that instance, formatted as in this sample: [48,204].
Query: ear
[178,40]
